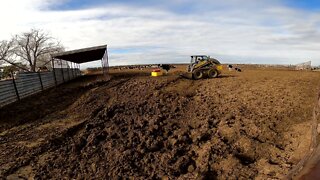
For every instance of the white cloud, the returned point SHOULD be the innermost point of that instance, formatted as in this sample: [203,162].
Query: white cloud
[234,31]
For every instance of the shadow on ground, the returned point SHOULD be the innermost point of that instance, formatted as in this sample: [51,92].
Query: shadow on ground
[35,107]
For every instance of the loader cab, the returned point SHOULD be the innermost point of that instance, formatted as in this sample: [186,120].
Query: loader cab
[197,58]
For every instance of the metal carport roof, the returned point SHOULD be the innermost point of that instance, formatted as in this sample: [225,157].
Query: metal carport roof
[82,55]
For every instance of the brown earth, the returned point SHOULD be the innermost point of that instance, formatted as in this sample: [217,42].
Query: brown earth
[254,124]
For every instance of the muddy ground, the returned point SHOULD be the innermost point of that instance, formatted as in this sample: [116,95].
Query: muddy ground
[254,124]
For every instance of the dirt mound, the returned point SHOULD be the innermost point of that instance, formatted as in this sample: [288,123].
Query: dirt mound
[36,107]
[170,127]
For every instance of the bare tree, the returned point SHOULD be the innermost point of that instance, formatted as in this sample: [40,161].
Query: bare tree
[6,54]
[34,46]
[5,50]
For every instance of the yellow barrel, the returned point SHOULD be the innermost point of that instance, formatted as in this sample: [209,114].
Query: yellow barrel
[155,74]
[219,67]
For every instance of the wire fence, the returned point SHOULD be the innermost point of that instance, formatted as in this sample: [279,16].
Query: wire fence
[26,84]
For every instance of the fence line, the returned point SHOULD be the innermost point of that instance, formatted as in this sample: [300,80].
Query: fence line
[26,84]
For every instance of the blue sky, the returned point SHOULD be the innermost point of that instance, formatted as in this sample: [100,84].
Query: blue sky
[79,4]
[303,4]
[150,31]
[175,6]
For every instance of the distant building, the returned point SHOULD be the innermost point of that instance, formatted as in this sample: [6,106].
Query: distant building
[304,66]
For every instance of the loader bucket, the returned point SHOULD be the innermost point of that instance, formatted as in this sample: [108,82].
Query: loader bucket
[186,75]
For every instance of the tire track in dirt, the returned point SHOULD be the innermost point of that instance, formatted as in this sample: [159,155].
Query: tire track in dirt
[50,145]
[168,83]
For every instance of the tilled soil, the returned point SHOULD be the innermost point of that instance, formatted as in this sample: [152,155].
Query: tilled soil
[254,124]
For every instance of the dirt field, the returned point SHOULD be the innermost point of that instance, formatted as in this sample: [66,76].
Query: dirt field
[253,124]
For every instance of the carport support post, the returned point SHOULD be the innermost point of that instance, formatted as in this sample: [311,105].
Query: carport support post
[76,69]
[72,70]
[61,70]
[54,72]
[68,70]
[107,61]
[102,65]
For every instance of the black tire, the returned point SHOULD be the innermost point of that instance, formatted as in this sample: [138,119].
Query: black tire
[197,74]
[212,73]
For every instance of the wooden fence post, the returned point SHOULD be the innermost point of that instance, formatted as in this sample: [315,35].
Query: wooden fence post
[40,81]
[15,86]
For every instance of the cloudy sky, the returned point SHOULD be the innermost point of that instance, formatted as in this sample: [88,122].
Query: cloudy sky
[160,31]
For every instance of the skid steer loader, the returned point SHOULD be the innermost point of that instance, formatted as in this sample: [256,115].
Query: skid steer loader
[202,66]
